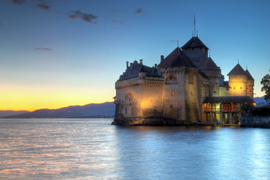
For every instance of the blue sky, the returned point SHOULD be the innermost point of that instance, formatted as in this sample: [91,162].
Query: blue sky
[55,53]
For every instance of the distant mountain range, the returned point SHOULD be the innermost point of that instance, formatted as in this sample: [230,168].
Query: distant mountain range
[106,109]
[10,113]
[259,100]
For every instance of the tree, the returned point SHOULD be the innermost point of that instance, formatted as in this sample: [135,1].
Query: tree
[246,107]
[266,86]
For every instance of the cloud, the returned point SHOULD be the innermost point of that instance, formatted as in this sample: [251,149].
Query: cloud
[83,16]
[18,2]
[139,10]
[44,49]
[44,6]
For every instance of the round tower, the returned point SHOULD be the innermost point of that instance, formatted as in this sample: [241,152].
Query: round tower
[238,81]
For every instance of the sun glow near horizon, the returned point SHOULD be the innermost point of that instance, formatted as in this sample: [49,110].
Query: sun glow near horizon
[32,99]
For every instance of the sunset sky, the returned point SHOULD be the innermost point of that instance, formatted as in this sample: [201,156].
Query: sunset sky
[56,53]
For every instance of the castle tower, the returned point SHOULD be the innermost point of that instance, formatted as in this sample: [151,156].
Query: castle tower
[210,68]
[238,80]
[196,51]
[180,90]
[250,85]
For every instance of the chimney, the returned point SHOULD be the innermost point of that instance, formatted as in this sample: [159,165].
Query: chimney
[127,64]
[161,58]
[141,61]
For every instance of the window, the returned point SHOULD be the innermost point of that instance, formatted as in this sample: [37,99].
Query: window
[190,79]
[171,78]
[233,87]
[240,87]
[171,105]
[125,110]
[172,93]
[191,94]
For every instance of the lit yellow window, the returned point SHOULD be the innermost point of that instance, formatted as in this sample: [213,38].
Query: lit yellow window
[172,93]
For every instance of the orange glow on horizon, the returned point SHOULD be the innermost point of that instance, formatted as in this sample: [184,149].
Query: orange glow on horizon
[30,99]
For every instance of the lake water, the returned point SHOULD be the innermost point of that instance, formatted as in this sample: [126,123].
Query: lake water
[94,149]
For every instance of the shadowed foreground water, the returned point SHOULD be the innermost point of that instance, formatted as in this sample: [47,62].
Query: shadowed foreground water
[94,149]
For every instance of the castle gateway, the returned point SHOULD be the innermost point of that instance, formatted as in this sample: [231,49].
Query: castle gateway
[185,87]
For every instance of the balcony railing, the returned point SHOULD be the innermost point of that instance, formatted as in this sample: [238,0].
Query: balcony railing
[222,110]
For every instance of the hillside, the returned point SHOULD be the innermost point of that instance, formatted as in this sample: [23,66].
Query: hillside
[90,110]
[10,113]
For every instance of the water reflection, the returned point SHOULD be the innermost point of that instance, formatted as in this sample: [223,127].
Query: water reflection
[93,149]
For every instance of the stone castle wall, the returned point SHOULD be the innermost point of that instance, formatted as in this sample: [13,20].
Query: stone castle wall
[191,95]
[174,94]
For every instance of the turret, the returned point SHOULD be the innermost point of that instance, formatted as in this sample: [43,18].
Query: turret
[238,81]
[142,75]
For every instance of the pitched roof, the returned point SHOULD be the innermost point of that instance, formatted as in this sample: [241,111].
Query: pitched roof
[228,99]
[209,64]
[193,43]
[203,75]
[176,58]
[249,75]
[237,70]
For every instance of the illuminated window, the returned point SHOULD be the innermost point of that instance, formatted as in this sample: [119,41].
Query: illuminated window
[125,110]
[172,93]
[190,79]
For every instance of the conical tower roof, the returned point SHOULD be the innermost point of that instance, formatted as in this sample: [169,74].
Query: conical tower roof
[237,70]
[249,75]
[194,42]
[209,64]
[176,58]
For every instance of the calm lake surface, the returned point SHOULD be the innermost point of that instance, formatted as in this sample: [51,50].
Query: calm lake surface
[94,149]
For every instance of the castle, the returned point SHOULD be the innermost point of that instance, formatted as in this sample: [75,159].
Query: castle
[185,87]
